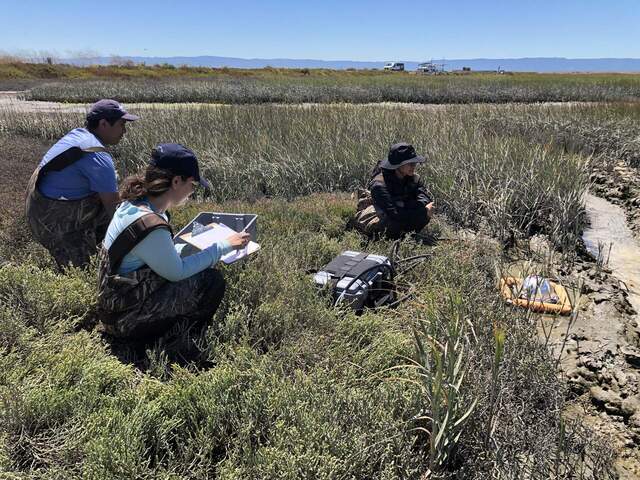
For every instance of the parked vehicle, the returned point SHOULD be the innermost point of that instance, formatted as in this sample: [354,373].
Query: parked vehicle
[394,66]
[428,67]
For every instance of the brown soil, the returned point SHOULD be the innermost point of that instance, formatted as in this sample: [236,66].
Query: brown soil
[18,158]
[598,362]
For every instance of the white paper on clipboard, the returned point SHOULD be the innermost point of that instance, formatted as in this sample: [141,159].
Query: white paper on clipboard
[234,255]
[216,234]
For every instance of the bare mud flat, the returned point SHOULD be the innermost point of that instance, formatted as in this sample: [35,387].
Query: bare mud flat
[599,346]
[12,101]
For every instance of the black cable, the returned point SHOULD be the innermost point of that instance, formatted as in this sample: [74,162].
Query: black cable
[388,267]
[396,261]
[415,257]
[375,267]
[393,253]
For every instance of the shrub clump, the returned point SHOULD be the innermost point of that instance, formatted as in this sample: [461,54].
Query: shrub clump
[293,387]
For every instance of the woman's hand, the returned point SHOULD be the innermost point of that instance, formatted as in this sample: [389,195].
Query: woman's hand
[239,240]
[429,207]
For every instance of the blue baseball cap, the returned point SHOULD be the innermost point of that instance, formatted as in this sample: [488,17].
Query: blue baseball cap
[109,110]
[179,160]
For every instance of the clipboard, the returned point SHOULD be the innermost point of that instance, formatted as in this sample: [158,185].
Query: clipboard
[218,231]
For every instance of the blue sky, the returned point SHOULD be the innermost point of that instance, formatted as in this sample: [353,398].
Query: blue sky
[329,30]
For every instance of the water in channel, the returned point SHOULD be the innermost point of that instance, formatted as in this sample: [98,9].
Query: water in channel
[609,238]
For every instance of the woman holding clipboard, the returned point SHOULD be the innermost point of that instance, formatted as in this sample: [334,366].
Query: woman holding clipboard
[145,287]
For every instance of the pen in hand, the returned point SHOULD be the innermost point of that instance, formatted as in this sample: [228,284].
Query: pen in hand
[238,240]
[248,224]
[245,235]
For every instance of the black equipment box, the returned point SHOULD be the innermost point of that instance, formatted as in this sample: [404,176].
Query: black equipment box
[358,280]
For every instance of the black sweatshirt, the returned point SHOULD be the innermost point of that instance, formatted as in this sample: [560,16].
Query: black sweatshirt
[398,199]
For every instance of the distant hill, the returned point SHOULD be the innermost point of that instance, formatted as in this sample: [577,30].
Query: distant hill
[534,64]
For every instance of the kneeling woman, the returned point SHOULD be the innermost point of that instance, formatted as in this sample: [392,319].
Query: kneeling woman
[396,202]
[145,287]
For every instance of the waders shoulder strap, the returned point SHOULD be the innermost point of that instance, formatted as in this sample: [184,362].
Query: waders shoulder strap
[63,160]
[132,235]
[66,158]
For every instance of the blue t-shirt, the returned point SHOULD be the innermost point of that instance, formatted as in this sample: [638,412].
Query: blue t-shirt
[93,173]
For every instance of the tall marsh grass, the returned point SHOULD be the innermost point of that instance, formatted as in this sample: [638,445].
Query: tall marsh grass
[504,184]
[349,88]
[610,133]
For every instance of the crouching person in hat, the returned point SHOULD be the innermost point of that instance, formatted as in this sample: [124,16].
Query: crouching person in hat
[145,287]
[396,201]
[73,192]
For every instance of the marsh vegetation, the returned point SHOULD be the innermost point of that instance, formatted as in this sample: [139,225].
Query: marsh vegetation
[343,87]
[170,84]
[286,386]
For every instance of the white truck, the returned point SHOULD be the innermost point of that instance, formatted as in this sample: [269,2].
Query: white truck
[394,66]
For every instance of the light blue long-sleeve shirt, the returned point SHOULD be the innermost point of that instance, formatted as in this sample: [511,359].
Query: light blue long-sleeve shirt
[157,250]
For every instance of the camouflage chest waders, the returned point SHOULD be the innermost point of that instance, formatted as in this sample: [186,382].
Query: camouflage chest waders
[142,304]
[368,218]
[69,229]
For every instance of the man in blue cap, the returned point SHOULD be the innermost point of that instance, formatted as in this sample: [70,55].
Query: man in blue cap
[396,201]
[73,192]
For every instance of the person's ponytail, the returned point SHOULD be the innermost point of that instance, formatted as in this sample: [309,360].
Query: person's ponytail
[133,188]
[152,182]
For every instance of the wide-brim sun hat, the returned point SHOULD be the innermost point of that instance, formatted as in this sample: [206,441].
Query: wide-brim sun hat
[401,154]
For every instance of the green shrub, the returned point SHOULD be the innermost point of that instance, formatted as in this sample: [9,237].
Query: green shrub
[48,300]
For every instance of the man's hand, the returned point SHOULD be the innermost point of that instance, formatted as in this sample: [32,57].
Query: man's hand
[429,207]
[239,240]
